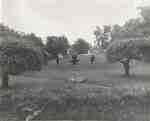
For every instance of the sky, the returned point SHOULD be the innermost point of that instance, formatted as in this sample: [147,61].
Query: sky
[0,10]
[73,18]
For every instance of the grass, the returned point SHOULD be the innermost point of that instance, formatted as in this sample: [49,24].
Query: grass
[99,74]
[72,104]
[106,95]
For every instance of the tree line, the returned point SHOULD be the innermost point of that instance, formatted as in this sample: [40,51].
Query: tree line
[20,52]
[130,41]
[132,29]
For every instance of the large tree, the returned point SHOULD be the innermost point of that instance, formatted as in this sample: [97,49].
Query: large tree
[126,50]
[81,46]
[33,40]
[98,35]
[145,25]
[103,36]
[131,29]
[57,44]
[15,58]
[134,28]
[145,13]
[19,52]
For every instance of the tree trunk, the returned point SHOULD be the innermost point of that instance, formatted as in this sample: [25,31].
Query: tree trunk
[5,79]
[126,65]
[102,43]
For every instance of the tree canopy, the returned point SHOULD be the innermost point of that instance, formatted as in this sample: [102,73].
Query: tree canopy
[134,28]
[19,53]
[81,46]
[127,50]
[103,36]
[57,44]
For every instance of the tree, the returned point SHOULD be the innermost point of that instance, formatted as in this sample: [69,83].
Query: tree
[103,37]
[117,31]
[145,13]
[145,25]
[57,44]
[107,28]
[134,28]
[116,28]
[98,34]
[131,29]
[33,40]
[81,46]
[20,52]
[127,50]
[16,58]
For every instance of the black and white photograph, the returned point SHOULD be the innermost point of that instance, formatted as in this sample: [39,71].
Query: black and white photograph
[74,60]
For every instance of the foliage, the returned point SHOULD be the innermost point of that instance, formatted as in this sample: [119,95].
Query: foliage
[145,25]
[126,50]
[107,28]
[144,11]
[118,50]
[103,36]
[134,28]
[131,29]
[33,40]
[81,46]
[19,58]
[57,44]
[98,33]
[23,41]
[20,52]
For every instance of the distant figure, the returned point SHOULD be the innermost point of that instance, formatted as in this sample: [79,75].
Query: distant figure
[57,59]
[92,59]
[75,59]
[60,56]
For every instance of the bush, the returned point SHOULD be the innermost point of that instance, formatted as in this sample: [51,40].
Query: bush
[20,57]
[20,52]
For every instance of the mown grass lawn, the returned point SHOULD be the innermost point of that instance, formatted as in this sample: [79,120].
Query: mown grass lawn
[106,95]
[101,73]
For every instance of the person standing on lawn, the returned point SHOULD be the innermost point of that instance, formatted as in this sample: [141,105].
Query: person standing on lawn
[92,59]
[57,59]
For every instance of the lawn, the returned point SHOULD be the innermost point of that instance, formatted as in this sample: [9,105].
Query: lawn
[101,73]
[106,95]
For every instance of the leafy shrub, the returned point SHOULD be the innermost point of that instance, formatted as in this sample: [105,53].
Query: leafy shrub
[20,57]
[126,50]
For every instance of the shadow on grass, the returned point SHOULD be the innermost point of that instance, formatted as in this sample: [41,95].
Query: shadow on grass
[135,77]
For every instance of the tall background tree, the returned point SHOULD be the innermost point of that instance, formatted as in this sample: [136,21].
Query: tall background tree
[131,40]
[126,50]
[81,46]
[33,40]
[57,45]
[145,25]
[134,28]
[103,36]
[130,30]
[98,34]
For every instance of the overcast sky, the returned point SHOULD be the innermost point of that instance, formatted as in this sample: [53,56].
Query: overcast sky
[74,18]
